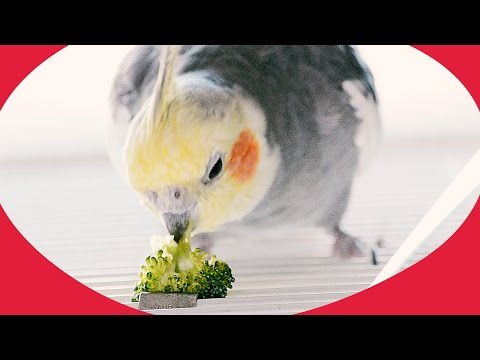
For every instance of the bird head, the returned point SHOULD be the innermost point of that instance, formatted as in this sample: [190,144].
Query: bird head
[197,153]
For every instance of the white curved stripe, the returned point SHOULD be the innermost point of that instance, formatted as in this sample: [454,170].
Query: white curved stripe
[465,182]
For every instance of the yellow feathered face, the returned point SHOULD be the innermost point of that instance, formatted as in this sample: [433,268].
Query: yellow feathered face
[207,167]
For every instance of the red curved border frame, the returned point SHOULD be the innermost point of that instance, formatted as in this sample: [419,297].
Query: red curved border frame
[442,283]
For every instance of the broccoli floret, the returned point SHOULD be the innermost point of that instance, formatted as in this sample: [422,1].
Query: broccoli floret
[175,268]
[214,280]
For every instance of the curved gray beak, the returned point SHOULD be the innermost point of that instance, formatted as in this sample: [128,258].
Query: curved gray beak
[177,224]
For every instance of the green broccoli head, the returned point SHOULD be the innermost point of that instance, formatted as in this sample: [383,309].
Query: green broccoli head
[175,268]
[215,279]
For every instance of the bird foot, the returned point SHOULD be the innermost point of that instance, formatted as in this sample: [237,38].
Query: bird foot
[347,246]
[203,242]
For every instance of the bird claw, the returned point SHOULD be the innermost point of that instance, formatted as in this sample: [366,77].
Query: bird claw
[347,247]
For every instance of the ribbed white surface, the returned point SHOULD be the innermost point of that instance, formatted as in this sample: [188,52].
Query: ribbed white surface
[81,217]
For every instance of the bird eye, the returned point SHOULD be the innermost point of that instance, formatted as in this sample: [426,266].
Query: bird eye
[216,169]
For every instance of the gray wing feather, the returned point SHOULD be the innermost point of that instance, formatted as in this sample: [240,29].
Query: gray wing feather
[134,79]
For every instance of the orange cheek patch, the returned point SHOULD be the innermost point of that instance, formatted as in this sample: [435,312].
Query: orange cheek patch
[244,156]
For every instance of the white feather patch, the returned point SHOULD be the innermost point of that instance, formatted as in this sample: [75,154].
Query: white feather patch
[369,132]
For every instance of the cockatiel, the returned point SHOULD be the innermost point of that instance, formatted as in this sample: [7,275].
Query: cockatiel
[219,137]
